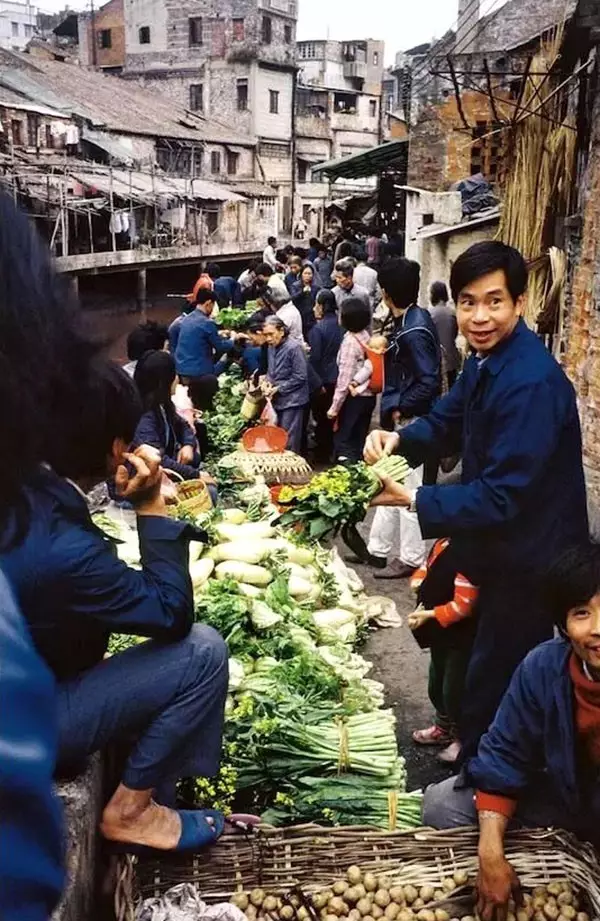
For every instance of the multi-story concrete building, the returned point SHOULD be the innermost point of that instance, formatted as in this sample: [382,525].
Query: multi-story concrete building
[338,113]
[232,60]
[17,24]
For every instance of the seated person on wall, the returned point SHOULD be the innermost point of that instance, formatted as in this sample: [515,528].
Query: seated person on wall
[68,417]
[539,763]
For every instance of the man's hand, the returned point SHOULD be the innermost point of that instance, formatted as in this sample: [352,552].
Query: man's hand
[379,444]
[496,884]
[392,494]
[142,488]
[419,617]
[332,414]
[185,455]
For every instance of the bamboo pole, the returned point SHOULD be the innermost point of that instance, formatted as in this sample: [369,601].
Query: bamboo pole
[112,210]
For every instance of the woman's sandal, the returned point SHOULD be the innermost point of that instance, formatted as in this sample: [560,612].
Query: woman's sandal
[196,833]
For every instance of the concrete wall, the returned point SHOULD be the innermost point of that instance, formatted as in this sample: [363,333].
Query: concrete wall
[438,254]
[140,13]
[9,115]
[267,124]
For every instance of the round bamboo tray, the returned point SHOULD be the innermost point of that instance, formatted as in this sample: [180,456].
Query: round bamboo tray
[310,857]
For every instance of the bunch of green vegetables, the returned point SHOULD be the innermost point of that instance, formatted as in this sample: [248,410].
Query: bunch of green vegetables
[225,424]
[235,318]
[338,496]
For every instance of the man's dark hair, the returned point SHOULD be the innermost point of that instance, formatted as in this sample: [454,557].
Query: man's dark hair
[272,241]
[264,269]
[254,265]
[213,270]
[400,279]
[147,337]
[205,295]
[483,259]
[572,580]
[314,243]
[356,315]
[438,293]
[107,406]
[326,298]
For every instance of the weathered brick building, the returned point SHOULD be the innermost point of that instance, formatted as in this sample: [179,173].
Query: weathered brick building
[102,37]
[232,60]
[487,57]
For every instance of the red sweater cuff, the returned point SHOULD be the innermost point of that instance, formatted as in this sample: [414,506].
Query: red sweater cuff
[495,803]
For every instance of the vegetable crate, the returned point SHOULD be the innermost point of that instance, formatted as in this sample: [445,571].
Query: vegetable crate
[309,857]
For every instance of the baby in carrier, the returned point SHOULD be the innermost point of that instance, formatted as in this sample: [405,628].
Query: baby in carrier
[370,375]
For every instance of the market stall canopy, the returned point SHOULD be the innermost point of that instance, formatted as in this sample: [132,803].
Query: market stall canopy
[144,187]
[368,163]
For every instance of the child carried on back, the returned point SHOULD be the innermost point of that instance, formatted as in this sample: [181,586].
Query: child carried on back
[444,623]
[363,377]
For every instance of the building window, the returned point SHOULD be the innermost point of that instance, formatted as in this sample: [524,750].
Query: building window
[232,163]
[14,29]
[287,33]
[302,171]
[215,161]
[267,30]
[375,59]
[28,30]
[16,129]
[307,50]
[242,95]
[197,97]
[144,35]
[372,108]
[104,38]
[345,103]
[238,30]
[274,102]
[31,131]
[195,30]
[49,138]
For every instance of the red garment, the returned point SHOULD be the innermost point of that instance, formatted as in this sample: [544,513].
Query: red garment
[587,709]
[587,724]
[465,593]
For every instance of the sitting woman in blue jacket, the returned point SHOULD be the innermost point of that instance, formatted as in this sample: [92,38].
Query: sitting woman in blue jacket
[539,763]
[160,425]
[74,415]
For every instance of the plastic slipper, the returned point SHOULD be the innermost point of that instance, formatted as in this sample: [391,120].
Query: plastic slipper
[196,834]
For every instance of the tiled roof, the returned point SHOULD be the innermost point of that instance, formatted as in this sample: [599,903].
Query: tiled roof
[113,104]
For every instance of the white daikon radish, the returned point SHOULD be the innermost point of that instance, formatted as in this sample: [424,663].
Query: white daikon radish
[250,530]
[244,572]
[201,571]
[298,587]
[197,548]
[234,515]
[250,591]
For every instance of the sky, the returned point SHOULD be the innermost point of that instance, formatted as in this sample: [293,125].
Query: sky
[401,24]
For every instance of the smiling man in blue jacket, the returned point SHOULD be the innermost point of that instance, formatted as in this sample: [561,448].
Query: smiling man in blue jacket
[521,500]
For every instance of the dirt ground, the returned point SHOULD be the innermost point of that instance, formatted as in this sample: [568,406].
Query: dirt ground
[402,667]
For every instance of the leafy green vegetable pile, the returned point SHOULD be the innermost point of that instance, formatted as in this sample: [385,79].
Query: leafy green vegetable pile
[225,424]
[338,496]
[235,318]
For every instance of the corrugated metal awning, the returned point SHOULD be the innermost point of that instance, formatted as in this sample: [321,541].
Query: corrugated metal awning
[108,143]
[368,163]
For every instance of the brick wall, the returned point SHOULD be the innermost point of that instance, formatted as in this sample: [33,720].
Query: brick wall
[440,148]
[109,17]
[582,328]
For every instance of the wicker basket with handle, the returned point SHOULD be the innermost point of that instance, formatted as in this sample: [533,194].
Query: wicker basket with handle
[193,498]
[310,857]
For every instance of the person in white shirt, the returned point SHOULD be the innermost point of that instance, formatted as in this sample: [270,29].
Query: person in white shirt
[270,255]
[265,277]
[281,305]
[366,277]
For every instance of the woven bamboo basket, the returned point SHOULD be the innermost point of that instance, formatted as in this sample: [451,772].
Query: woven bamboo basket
[309,857]
[193,498]
[283,467]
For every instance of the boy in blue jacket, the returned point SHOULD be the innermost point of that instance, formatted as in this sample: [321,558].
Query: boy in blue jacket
[539,762]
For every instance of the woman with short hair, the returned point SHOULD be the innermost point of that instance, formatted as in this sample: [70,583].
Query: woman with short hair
[287,376]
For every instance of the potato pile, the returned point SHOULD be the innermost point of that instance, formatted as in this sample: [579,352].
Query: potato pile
[359,897]
[367,897]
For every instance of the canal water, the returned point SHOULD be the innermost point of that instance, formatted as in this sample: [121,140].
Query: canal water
[110,301]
